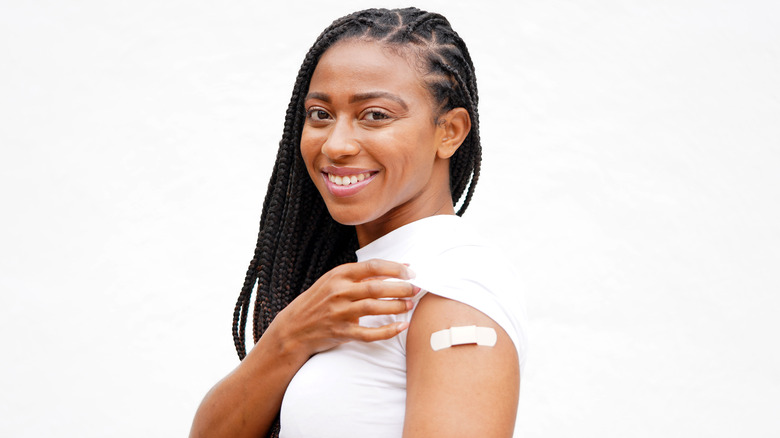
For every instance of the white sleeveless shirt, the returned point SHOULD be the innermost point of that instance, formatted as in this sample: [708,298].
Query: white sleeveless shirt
[358,389]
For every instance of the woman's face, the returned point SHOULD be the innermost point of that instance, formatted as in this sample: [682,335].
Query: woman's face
[370,140]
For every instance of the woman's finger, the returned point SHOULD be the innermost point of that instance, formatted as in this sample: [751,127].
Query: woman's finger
[380,289]
[380,307]
[371,334]
[378,268]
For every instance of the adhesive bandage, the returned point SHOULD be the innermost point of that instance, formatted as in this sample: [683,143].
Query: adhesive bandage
[470,334]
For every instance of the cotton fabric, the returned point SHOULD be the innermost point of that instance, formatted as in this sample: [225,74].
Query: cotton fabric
[358,389]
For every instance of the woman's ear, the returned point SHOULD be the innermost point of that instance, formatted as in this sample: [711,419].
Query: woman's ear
[456,124]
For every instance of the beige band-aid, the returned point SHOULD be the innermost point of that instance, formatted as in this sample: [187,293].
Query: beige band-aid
[470,334]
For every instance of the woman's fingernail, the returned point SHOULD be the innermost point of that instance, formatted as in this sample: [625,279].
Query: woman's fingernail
[409,273]
[401,326]
[416,290]
[409,305]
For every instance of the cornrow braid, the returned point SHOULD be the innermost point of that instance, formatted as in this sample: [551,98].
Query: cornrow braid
[298,240]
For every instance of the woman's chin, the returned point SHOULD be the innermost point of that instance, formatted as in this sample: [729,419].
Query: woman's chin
[348,218]
[352,214]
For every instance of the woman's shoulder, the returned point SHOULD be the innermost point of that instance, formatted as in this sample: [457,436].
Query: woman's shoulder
[473,276]
[453,253]
[451,238]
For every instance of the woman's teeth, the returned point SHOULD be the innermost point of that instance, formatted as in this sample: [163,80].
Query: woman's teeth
[347,179]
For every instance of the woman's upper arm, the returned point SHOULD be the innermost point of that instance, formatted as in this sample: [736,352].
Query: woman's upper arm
[464,390]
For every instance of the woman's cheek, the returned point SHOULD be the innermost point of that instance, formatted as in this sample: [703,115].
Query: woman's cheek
[309,154]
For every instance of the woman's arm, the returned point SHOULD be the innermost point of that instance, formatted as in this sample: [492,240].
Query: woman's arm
[246,402]
[464,390]
[248,399]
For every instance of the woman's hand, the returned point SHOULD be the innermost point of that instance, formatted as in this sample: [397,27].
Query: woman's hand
[328,313]
[247,400]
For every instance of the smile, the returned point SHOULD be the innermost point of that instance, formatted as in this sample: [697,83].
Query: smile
[343,182]
[346,180]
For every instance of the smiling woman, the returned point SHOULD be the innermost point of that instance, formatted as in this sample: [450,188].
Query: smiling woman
[371,292]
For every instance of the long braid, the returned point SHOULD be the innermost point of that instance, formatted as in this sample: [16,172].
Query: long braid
[462,166]
[298,241]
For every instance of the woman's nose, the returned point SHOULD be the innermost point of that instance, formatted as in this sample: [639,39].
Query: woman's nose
[340,142]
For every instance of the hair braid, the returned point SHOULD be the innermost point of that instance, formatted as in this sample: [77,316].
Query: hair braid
[462,166]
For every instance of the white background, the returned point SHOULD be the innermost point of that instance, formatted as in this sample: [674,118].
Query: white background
[630,169]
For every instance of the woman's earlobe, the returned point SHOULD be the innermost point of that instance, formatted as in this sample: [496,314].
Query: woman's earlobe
[456,124]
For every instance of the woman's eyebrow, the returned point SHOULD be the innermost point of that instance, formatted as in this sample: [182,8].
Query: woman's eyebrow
[361,97]
[379,94]
[319,96]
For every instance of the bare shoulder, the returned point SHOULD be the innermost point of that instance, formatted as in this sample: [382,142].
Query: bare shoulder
[463,390]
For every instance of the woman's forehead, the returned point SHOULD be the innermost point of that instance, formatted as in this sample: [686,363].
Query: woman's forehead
[356,61]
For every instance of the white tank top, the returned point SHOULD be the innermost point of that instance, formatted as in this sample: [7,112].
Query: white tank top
[358,389]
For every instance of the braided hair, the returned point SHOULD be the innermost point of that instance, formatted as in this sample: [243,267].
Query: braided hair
[298,240]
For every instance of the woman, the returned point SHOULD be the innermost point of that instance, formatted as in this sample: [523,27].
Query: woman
[381,137]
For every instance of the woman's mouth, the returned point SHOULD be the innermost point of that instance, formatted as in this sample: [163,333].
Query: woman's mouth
[345,183]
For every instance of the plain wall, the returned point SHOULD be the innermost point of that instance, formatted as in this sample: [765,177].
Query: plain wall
[630,169]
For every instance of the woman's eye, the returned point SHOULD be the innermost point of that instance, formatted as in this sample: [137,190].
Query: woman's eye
[317,115]
[376,116]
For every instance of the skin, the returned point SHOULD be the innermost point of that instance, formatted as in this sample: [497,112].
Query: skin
[462,391]
[368,111]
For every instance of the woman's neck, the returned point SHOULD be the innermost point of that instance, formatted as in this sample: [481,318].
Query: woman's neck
[371,231]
